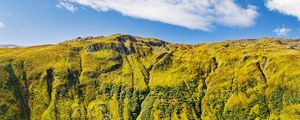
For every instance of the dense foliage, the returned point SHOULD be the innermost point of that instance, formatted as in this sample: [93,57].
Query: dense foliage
[125,77]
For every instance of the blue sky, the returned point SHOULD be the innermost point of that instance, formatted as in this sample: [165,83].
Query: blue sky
[32,22]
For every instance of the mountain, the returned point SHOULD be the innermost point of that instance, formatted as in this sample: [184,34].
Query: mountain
[8,46]
[129,77]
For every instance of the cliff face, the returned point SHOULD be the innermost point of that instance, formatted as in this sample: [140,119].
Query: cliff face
[126,77]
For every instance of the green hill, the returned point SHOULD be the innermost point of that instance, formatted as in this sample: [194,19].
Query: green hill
[123,77]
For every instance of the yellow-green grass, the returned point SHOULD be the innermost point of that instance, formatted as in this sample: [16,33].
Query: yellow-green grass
[130,77]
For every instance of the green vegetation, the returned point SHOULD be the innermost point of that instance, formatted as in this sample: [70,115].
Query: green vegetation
[126,77]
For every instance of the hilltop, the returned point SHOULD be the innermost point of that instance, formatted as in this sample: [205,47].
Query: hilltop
[129,77]
[8,46]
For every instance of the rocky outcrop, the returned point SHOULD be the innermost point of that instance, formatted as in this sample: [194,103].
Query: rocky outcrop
[127,77]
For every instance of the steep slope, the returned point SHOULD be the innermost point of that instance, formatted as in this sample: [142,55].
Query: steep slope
[127,77]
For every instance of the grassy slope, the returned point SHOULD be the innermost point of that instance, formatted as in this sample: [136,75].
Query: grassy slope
[125,77]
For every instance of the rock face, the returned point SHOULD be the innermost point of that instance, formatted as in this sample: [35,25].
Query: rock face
[127,77]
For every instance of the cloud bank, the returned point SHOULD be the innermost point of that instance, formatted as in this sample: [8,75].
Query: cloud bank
[192,14]
[287,7]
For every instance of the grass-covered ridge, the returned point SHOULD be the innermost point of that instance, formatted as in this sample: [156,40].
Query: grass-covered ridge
[129,77]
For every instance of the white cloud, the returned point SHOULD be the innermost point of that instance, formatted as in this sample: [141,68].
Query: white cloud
[282,31]
[2,25]
[287,7]
[192,14]
[66,5]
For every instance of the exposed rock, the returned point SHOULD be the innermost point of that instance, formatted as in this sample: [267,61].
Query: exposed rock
[127,77]
[84,38]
